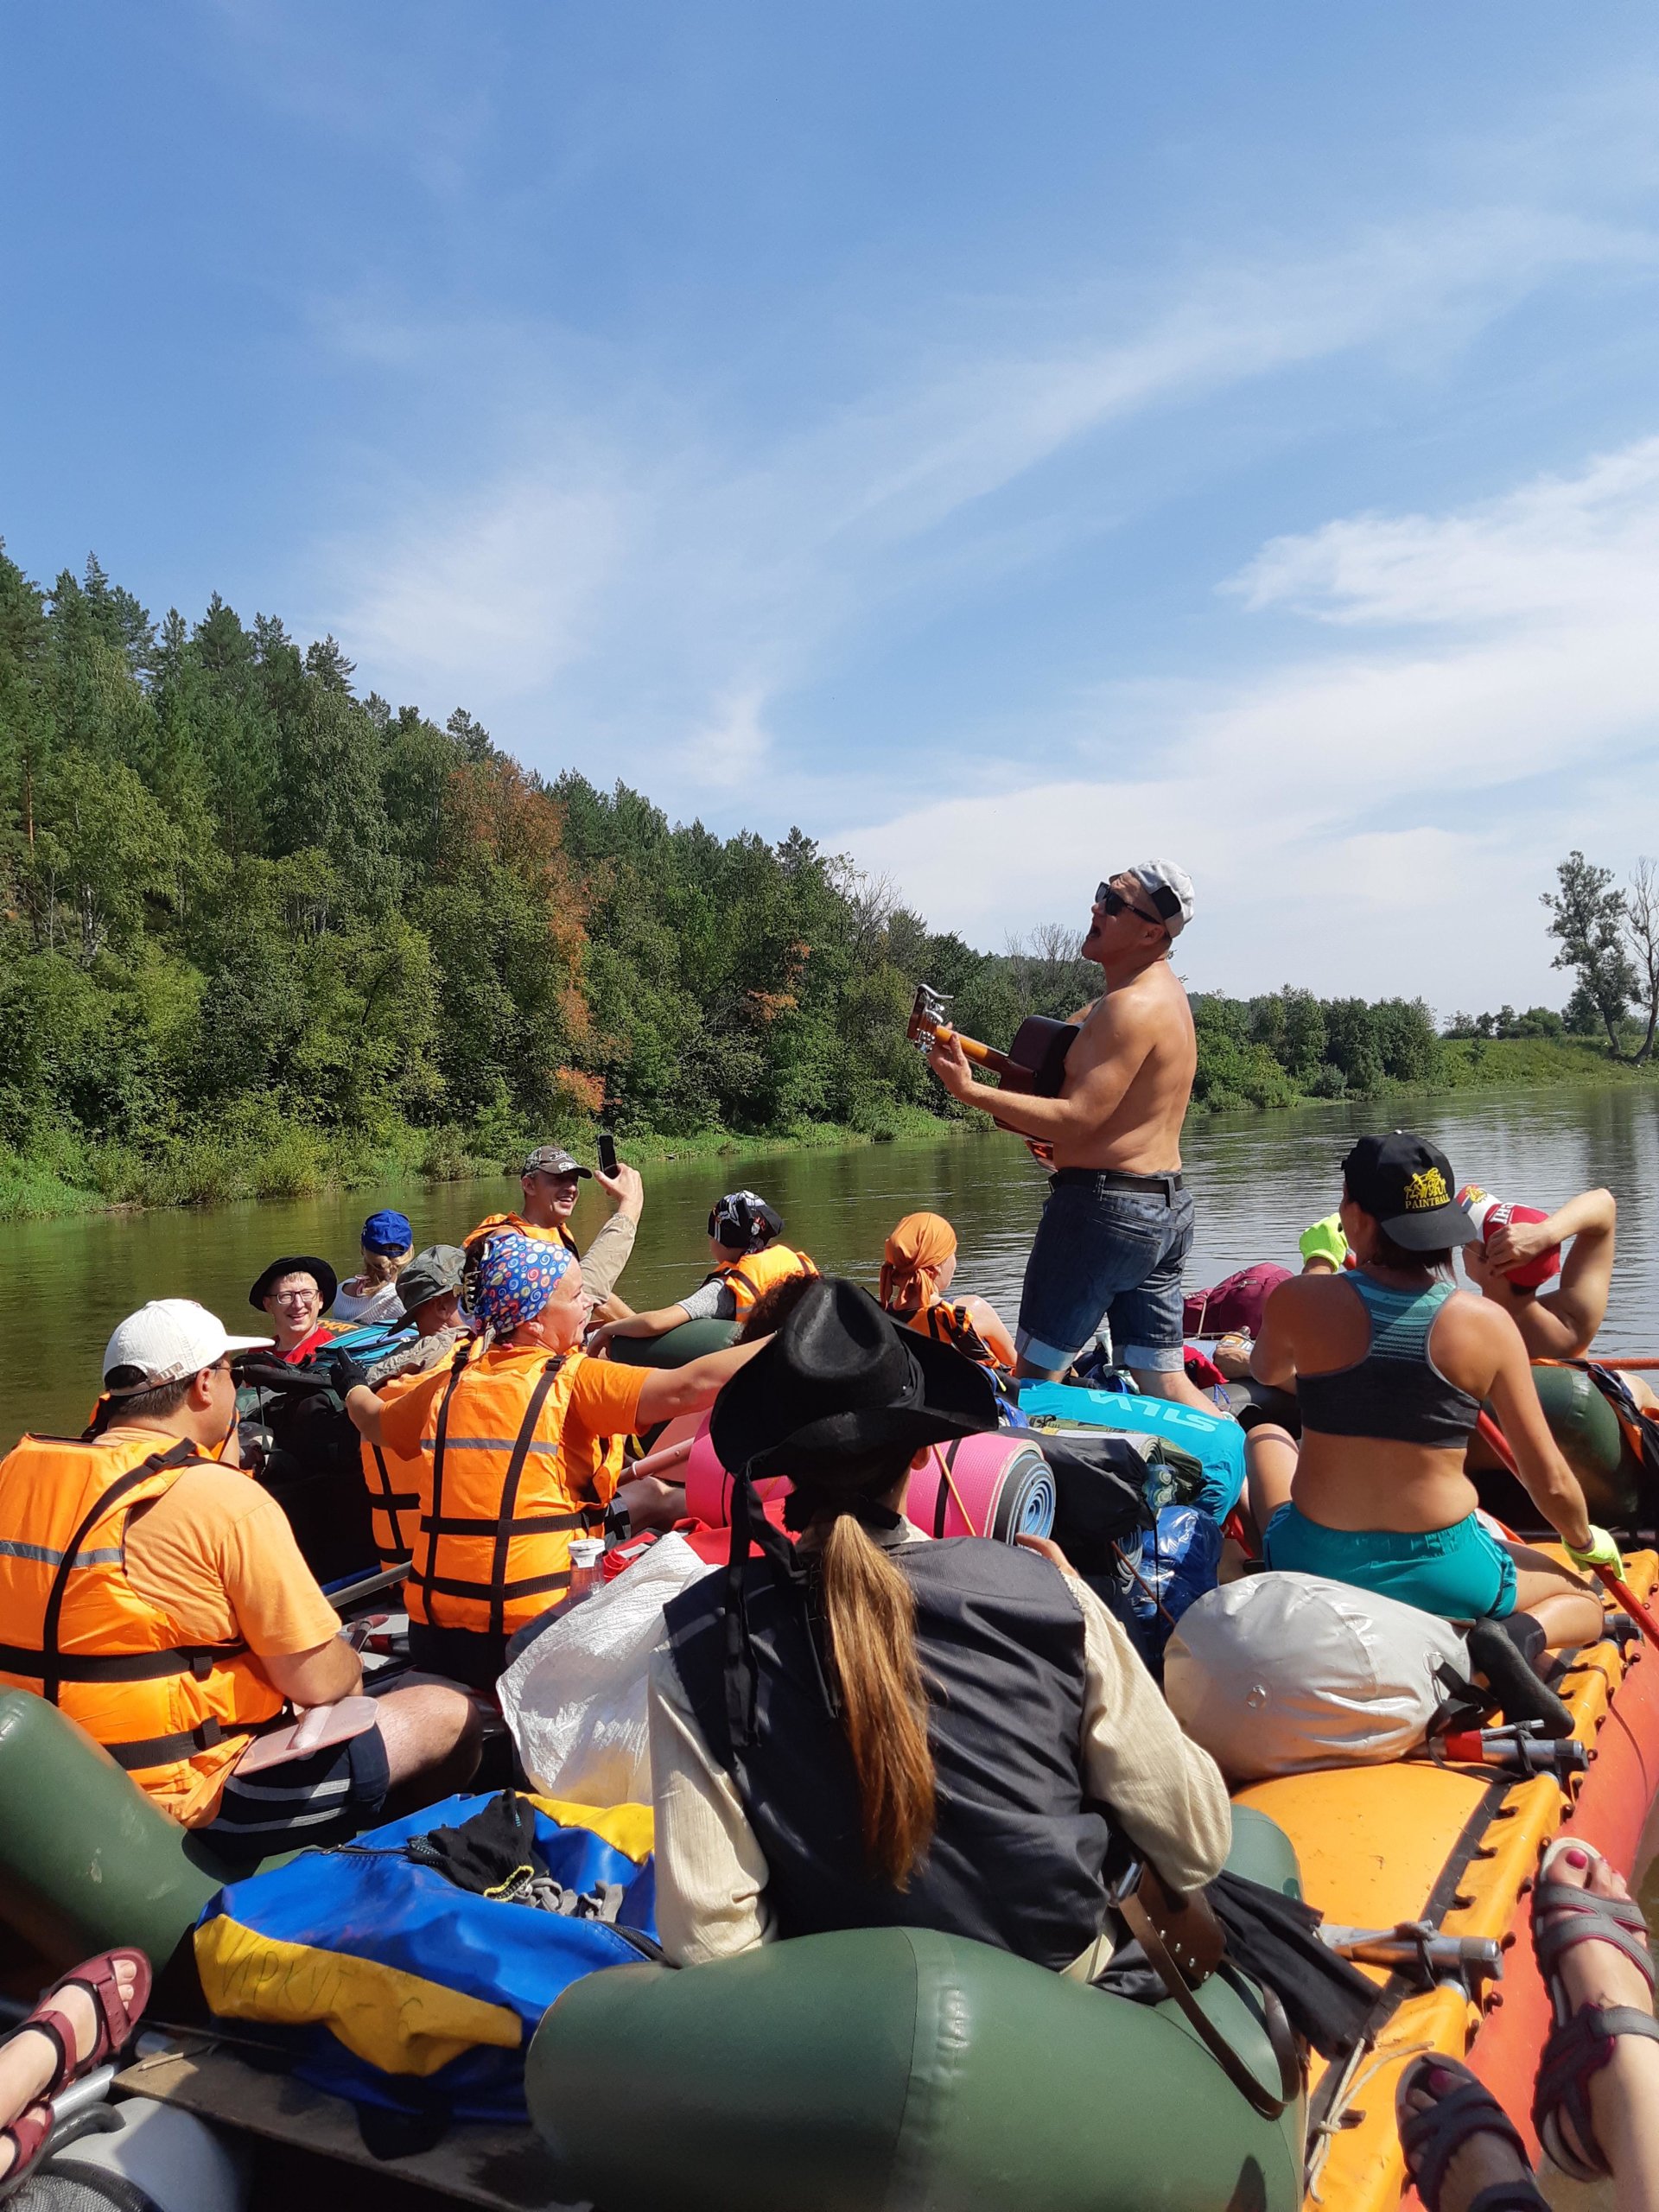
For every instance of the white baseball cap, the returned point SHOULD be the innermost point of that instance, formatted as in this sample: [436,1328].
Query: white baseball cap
[1169,887]
[169,1340]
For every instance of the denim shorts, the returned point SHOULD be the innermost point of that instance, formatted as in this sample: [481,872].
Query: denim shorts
[1102,1252]
[1460,1573]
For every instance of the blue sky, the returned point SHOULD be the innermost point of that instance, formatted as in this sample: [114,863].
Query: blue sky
[1003,439]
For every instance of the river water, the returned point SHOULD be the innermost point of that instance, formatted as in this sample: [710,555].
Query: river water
[1257,1179]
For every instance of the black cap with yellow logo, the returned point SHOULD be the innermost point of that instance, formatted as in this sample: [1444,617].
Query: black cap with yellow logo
[1408,1185]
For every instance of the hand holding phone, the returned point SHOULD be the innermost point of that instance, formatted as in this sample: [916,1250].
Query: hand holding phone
[607,1153]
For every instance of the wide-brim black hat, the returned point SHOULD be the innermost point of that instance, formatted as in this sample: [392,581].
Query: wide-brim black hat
[296,1263]
[840,1380]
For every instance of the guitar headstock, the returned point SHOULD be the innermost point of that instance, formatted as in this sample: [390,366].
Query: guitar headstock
[931,1011]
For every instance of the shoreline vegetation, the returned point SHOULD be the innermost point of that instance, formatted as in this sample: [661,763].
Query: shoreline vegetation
[262,938]
[269,1158]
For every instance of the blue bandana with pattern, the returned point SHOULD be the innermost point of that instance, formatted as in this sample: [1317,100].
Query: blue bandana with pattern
[516,1278]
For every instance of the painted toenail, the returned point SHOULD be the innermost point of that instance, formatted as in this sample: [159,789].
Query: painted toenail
[1575,1858]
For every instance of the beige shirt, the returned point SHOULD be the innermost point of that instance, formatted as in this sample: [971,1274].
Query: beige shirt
[1165,1795]
[608,1254]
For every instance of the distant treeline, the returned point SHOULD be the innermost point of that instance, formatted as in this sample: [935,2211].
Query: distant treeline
[256,931]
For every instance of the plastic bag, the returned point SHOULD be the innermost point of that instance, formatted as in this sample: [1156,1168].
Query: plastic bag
[575,1699]
[1166,1568]
[1279,1673]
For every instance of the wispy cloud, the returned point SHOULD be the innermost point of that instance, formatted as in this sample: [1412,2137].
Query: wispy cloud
[723,562]
[1386,810]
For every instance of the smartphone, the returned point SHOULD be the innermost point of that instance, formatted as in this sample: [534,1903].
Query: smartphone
[607,1153]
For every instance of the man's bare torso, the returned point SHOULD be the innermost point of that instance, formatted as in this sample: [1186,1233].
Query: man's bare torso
[1145,1026]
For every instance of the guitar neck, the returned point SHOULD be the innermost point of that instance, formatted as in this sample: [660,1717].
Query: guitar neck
[984,1056]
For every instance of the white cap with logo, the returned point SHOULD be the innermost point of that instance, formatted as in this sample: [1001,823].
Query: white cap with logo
[169,1340]
[1169,890]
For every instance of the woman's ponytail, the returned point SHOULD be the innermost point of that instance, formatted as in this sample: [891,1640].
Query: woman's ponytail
[870,1615]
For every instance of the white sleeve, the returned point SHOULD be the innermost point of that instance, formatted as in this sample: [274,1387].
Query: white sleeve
[1166,1794]
[711,1873]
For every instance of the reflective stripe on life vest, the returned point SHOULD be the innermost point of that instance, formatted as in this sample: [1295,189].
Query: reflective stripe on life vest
[498,1507]
[757,1272]
[79,1635]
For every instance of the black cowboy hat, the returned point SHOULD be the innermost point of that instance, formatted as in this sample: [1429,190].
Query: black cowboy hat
[840,1380]
[300,1263]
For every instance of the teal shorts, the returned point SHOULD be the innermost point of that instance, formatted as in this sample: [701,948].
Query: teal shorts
[1460,1573]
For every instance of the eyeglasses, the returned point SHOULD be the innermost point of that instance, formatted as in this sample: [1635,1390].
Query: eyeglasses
[1116,903]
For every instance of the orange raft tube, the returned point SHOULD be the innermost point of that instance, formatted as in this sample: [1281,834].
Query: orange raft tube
[1458,1847]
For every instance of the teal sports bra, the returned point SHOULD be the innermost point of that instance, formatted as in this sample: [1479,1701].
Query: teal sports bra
[1395,1392]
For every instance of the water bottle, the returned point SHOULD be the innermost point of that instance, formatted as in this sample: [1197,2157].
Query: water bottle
[585,1553]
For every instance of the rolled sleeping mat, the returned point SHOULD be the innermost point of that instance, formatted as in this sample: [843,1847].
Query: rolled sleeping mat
[989,1485]
[884,2066]
[1003,1488]
[708,1487]
[87,1860]
[676,1347]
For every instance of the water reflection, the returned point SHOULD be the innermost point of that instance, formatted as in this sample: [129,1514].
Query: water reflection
[1257,1179]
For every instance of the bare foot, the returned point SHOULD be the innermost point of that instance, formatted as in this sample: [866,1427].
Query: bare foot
[1600,1974]
[1483,2160]
[29,2059]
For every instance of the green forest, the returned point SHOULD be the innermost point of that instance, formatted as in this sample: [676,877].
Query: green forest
[261,934]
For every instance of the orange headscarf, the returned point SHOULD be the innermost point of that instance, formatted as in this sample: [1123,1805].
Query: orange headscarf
[921,1240]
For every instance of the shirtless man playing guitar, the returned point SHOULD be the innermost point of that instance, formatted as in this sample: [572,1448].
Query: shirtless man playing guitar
[1117,1223]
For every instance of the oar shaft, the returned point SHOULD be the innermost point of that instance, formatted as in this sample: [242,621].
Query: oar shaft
[1621,1589]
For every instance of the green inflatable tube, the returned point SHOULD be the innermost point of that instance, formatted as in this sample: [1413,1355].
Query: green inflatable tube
[896,2067]
[1592,1442]
[677,1346]
[87,1860]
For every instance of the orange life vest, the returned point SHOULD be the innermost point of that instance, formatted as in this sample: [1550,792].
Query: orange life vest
[492,1222]
[78,1634]
[500,1496]
[757,1272]
[953,1325]
[394,1486]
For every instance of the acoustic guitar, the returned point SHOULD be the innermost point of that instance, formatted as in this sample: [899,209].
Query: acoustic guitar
[1034,1063]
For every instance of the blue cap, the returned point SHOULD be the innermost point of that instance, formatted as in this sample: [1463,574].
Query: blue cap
[387,1232]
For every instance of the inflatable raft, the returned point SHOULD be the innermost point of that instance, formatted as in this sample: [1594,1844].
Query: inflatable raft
[1455,1849]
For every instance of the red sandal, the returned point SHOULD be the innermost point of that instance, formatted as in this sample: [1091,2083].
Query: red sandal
[29,2135]
[116,2020]
[1583,2038]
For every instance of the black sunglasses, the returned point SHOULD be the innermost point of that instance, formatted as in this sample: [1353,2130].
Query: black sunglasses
[1116,903]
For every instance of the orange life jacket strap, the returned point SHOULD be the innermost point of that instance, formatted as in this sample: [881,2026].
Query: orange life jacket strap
[526,1586]
[391,1501]
[52,1664]
[163,1750]
[197,1659]
[521,1524]
[525,1438]
[436,1524]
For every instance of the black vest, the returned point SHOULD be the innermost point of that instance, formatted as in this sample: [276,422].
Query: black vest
[1019,1852]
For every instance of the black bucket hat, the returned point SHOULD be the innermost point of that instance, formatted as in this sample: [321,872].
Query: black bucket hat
[296,1263]
[841,1379]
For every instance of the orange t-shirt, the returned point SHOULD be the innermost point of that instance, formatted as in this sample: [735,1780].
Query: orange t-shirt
[217,1554]
[604,1402]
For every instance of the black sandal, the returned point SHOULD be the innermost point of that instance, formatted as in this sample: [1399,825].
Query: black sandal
[1432,2138]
